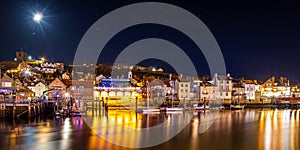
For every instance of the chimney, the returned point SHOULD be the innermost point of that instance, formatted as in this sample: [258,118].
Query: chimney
[273,80]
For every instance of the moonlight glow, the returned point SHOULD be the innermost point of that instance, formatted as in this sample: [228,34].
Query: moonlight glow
[37,17]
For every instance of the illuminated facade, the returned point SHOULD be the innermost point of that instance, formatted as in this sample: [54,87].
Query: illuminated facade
[223,85]
[37,88]
[208,91]
[184,90]
[116,88]
[249,89]
[238,92]
[280,88]
[7,87]
[58,90]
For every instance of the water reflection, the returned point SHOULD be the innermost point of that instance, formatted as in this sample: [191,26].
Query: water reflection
[247,129]
[132,129]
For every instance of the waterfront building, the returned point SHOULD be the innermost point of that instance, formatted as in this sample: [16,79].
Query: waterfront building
[238,92]
[7,88]
[82,71]
[184,90]
[249,89]
[272,88]
[208,91]
[223,85]
[80,90]
[116,89]
[57,89]
[37,88]
[295,91]
[24,94]
[195,89]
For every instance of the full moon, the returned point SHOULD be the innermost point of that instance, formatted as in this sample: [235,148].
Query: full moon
[37,17]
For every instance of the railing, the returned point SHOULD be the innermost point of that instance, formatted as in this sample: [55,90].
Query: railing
[21,101]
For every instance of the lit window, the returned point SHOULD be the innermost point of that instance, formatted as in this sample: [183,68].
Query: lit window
[6,84]
[81,88]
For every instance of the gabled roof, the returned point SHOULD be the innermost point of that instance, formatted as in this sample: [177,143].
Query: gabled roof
[57,81]
[67,82]
[25,89]
[6,78]
[249,82]
[237,86]
[6,65]
[206,84]
[223,78]
[271,82]
[26,79]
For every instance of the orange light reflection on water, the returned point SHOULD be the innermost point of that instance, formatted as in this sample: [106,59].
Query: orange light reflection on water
[278,129]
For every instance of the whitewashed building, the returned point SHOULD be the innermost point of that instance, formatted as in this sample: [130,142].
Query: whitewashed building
[38,88]
[249,89]
[223,86]
[184,90]
[208,91]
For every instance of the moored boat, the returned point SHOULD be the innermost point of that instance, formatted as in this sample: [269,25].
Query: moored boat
[237,107]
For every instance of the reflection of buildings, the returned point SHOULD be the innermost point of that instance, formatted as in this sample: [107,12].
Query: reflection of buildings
[278,129]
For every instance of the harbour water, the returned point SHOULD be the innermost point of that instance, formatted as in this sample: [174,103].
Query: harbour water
[239,129]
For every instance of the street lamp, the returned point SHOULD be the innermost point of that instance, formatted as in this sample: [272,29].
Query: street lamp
[37,17]
[27,72]
[43,59]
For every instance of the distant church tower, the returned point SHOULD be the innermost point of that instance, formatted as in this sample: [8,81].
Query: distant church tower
[21,56]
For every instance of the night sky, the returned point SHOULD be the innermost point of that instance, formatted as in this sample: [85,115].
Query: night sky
[258,39]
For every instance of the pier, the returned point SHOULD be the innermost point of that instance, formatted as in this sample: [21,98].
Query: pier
[14,109]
